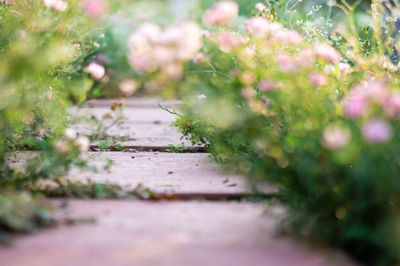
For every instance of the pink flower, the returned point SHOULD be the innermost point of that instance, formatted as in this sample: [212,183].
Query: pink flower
[163,55]
[266,101]
[391,105]
[305,58]
[247,77]
[173,71]
[260,7]
[334,137]
[286,63]
[344,68]
[289,36]
[235,73]
[248,93]
[318,79]
[250,51]
[95,8]
[228,41]
[152,48]
[96,70]
[356,104]
[198,57]
[205,33]
[102,59]
[149,31]
[191,43]
[260,27]
[377,131]
[375,90]
[140,63]
[268,85]
[327,52]
[221,13]
[170,36]
[359,100]
[57,5]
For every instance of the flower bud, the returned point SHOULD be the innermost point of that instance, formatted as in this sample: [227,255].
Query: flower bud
[127,87]
[82,143]
[70,134]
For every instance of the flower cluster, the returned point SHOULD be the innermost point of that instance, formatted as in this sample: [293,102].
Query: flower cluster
[57,5]
[34,102]
[95,8]
[261,28]
[221,13]
[71,139]
[364,100]
[359,102]
[316,115]
[152,48]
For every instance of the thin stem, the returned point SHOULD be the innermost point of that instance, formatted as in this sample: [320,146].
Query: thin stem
[210,71]
[347,5]
[165,108]
[294,5]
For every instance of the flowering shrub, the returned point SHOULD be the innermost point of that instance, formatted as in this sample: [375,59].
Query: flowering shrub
[152,49]
[162,53]
[42,45]
[321,122]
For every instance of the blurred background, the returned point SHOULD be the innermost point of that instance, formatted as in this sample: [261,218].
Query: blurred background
[110,42]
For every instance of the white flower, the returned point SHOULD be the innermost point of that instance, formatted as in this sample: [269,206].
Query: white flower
[335,138]
[62,147]
[82,143]
[201,97]
[70,134]
[127,87]
[329,69]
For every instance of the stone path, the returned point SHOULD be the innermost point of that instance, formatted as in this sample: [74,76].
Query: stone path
[169,173]
[183,232]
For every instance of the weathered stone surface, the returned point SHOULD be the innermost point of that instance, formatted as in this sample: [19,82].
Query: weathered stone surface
[137,115]
[140,134]
[170,173]
[145,124]
[130,233]
[173,233]
[135,102]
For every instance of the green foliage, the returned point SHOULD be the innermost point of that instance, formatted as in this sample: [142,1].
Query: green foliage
[41,74]
[91,190]
[308,124]
[20,212]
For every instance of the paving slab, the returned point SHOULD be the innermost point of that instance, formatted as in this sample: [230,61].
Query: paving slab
[129,233]
[183,174]
[135,102]
[152,115]
[145,124]
[140,134]
[163,233]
